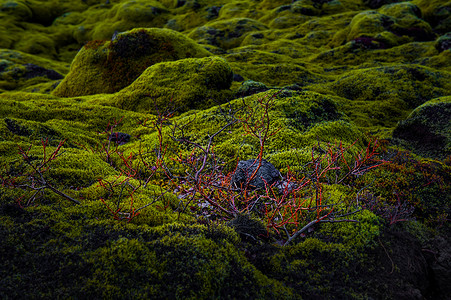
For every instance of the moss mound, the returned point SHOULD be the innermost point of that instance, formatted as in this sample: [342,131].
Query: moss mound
[226,34]
[22,71]
[111,261]
[186,84]
[427,129]
[391,25]
[101,194]
[109,66]
[437,13]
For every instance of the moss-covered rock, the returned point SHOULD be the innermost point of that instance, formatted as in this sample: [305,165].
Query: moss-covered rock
[284,17]
[334,69]
[443,42]
[375,83]
[271,69]
[20,70]
[108,66]
[437,13]
[378,3]
[100,21]
[409,21]
[226,34]
[34,116]
[303,120]
[217,268]
[17,9]
[101,259]
[428,128]
[250,87]
[315,277]
[391,25]
[317,7]
[185,84]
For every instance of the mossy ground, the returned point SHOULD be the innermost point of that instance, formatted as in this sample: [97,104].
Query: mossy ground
[340,70]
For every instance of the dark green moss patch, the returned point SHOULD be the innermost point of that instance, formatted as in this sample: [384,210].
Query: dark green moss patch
[306,109]
[16,128]
[428,129]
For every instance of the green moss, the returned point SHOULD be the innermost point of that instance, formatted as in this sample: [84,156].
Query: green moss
[187,267]
[423,233]
[409,21]
[355,236]
[100,21]
[280,46]
[71,118]
[101,259]
[153,205]
[311,265]
[392,25]
[185,84]
[126,57]
[127,15]
[277,70]
[78,168]
[225,34]
[443,42]
[428,129]
[34,43]
[416,182]
[304,118]
[307,108]
[239,9]
[316,8]
[28,129]
[344,69]
[395,89]
[18,9]
[436,12]
[268,4]
[19,70]
[138,11]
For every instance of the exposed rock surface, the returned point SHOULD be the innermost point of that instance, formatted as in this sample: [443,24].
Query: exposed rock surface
[266,174]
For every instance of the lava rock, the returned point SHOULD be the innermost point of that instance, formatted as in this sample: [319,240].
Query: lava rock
[33,70]
[266,174]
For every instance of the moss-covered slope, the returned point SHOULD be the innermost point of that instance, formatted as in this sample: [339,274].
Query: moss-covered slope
[106,108]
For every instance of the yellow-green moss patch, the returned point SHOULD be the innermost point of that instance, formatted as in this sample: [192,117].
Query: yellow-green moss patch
[185,84]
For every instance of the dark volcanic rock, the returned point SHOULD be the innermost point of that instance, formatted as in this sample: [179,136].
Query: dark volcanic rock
[267,173]
[33,70]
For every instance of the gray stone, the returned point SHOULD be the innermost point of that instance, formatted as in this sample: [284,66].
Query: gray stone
[266,173]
